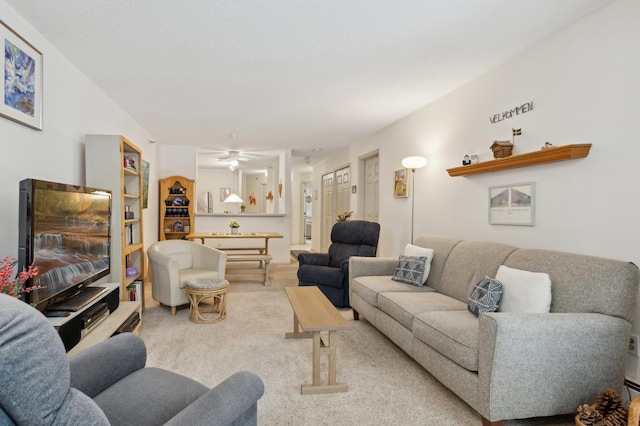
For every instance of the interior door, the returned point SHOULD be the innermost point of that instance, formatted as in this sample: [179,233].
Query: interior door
[371,190]
[343,191]
[327,212]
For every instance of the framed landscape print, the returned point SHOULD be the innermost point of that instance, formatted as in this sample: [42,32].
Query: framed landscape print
[512,204]
[22,83]
[401,183]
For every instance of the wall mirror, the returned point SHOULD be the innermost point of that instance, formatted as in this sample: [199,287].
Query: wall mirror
[255,176]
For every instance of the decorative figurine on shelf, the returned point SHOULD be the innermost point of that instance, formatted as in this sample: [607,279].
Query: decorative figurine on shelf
[501,149]
[234,225]
[474,159]
[547,145]
[466,160]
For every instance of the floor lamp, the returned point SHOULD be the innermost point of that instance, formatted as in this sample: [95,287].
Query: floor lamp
[413,163]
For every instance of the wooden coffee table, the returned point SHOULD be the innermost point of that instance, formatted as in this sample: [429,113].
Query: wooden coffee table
[313,314]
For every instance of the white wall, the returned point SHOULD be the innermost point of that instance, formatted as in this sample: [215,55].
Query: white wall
[73,107]
[585,85]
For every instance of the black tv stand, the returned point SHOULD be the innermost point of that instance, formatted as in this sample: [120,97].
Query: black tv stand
[82,298]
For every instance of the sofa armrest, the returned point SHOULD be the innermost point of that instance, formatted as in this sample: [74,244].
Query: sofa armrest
[236,398]
[318,259]
[547,364]
[363,266]
[102,365]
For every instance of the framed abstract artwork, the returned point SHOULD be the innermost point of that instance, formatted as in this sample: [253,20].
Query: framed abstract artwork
[512,204]
[22,84]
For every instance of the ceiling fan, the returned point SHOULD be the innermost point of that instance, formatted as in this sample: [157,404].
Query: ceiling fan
[232,156]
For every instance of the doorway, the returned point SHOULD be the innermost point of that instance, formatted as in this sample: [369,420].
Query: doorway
[306,212]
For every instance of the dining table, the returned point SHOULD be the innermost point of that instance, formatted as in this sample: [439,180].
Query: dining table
[242,236]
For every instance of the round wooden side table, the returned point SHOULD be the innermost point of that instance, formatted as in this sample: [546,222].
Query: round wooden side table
[208,298]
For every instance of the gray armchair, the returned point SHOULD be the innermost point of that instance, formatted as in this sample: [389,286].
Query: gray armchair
[106,384]
[173,262]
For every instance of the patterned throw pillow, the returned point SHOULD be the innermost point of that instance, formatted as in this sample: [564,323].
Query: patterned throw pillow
[412,250]
[485,296]
[410,270]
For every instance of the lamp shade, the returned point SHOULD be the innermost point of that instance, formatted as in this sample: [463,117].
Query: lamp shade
[414,162]
[233,198]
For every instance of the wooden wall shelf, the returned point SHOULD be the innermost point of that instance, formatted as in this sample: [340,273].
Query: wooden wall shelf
[549,155]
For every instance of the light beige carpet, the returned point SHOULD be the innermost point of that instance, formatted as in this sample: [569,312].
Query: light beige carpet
[386,387]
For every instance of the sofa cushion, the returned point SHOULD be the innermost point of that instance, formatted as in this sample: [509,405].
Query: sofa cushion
[452,333]
[412,250]
[411,270]
[485,296]
[442,247]
[368,287]
[524,291]
[468,263]
[403,306]
[579,280]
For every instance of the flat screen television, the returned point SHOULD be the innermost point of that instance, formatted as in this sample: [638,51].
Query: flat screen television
[64,230]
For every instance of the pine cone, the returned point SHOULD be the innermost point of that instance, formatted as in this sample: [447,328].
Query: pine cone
[609,402]
[589,416]
[617,418]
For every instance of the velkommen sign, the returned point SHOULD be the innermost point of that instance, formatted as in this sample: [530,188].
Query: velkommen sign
[521,109]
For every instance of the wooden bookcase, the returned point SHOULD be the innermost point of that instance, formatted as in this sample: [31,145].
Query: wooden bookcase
[114,163]
[177,207]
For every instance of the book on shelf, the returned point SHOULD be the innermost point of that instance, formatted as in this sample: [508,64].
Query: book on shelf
[134,291]
[129,234]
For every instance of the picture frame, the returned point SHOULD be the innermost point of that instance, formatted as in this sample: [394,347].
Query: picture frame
[401,183]
[21,91]
[224,193]
[512,204]
[145,184]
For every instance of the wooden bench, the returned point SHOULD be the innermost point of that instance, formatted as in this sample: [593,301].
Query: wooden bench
[258,249]
[263,266]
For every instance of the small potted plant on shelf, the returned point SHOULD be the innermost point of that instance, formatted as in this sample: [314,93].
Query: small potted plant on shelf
[243,208]
[15,287]
[234,225]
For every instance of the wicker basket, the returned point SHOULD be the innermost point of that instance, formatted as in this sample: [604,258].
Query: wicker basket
[634,413]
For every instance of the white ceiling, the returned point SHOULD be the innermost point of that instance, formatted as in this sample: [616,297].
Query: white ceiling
[299,74]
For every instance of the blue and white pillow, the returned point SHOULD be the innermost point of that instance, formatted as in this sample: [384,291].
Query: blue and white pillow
[411,270]
[427,253]
[485,296]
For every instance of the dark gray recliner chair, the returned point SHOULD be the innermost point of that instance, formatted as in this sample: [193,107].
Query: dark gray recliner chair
[330,271]
[106,384]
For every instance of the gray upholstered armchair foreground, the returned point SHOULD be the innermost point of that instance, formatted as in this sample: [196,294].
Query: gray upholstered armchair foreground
[106,384]
[172,262]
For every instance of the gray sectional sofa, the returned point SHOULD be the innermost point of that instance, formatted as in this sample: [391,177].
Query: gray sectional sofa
[506,365]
